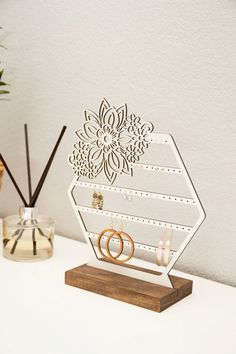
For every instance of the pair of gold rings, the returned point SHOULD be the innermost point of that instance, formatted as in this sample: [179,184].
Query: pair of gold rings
[122,236]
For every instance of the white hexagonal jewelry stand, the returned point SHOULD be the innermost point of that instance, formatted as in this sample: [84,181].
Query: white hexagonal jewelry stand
[114,145]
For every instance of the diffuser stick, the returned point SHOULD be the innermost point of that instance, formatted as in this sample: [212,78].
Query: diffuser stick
[28,161]
[18,238]
[13,180]
[45,172]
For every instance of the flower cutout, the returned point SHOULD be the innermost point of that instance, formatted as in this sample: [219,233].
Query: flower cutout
[109,142]
[133,153]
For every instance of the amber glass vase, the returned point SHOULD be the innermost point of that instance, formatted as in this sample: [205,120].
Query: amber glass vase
[28,236]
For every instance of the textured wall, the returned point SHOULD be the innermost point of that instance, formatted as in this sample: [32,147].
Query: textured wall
[173,62]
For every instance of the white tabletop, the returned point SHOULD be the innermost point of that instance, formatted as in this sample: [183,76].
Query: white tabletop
[42,315]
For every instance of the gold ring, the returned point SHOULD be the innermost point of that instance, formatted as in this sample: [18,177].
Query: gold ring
[113,232]
[119,233]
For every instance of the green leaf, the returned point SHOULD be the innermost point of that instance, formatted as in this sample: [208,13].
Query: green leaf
[3,92]
[3,83]
[1,72]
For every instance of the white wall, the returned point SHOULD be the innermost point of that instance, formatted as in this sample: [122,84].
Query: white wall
[173,62]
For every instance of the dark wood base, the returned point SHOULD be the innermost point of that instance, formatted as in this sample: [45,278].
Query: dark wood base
[133,291]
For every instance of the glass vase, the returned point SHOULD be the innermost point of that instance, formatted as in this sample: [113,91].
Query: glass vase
[28,236]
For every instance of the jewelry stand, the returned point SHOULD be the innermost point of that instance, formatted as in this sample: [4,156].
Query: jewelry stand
[139,285]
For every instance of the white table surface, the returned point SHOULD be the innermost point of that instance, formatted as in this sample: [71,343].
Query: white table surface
[42,315]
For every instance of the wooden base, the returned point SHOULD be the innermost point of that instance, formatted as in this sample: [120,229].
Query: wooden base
[133,291]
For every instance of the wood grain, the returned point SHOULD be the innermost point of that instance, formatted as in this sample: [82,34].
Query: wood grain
[123,288]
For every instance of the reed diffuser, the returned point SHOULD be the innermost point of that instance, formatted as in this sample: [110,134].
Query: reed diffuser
[1,173]
[28,236]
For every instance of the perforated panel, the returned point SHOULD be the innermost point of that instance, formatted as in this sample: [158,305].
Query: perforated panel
[161,197]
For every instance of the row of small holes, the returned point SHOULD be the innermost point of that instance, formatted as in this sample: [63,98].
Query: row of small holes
[151,195]
[156,168]
[153,249]
[151,140]
[137,219]
[164,169]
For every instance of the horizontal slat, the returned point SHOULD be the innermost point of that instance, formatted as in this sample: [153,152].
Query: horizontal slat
[152,222]
[158,138]
[157,168]
[138,193]
[138,245]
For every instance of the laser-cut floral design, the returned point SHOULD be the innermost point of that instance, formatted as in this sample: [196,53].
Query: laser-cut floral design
[109,142]
[132,153]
